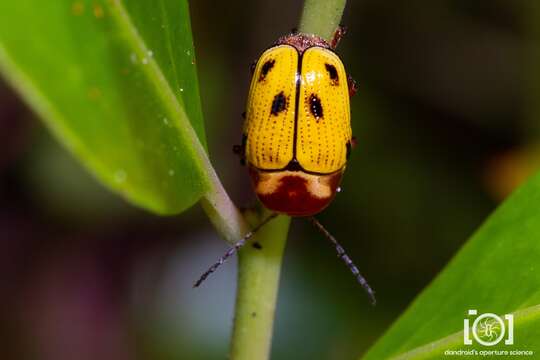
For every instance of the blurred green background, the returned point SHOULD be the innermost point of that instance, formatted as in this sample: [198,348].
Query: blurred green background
[447,125]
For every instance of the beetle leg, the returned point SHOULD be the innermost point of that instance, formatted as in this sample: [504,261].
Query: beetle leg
[338,34]
[351,145]
[353,87]
[240,150]
[252,67]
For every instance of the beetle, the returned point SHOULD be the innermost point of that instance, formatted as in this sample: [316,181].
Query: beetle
[297,133]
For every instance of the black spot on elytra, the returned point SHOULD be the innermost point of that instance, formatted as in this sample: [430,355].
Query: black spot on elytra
[257,245]
[267,66]
[254,314]
[315,106]
[332,72]
[279,104]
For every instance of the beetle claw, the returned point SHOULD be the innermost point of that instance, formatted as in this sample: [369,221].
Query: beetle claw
[338,34]
[353,86]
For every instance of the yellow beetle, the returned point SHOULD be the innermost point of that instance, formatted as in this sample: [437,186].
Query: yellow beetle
[297,132]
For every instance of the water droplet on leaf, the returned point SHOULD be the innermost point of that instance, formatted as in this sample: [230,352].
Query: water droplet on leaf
[120,175]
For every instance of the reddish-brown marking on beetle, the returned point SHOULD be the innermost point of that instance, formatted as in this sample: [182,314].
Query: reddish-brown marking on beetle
[303,41]
[294,193]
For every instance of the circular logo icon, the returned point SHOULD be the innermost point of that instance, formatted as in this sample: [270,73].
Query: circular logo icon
[488,329]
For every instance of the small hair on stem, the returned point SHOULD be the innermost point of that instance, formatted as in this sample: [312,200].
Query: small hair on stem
[233,250]
[343,255]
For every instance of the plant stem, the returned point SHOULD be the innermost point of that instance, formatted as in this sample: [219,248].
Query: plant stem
[258,281]
[321,17]
[222,212]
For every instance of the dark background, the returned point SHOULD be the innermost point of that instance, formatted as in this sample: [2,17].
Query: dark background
[446,122]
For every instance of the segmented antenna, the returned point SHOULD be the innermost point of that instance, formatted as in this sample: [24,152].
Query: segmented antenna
[233,250]
[343,255]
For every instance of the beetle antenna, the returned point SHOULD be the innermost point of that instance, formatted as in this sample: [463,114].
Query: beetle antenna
[343,255]
[233,250]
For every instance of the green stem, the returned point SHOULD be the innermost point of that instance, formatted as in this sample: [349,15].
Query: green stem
[321,17]
[222,212]
[258,281]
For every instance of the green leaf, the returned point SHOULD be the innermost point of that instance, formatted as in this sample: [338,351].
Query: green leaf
[495,272]
[116,82]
